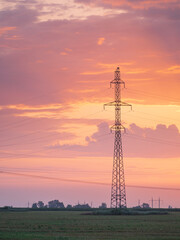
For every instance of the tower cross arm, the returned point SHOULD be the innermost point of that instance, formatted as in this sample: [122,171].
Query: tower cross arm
[118,127]
[117,81]
[117,104]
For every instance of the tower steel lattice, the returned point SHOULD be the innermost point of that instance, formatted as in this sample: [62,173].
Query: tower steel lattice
[118,191]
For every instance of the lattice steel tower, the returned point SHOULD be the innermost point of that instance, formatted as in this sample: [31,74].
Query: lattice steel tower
[118,191]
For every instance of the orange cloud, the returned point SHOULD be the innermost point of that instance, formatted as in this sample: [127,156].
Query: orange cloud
[113,65]
[14,37]
[39,61]
[172,70]
[64,68]
[100,41]
[110,67]
[68,49]
[3,30]
[134,100]
[136,71]
[43,114]
[33,108]
[81,91]
[139,4]
[42,111]
[130,71]
[64,53]
[96,72]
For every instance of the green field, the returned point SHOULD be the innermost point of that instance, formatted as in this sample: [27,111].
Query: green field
[57,225]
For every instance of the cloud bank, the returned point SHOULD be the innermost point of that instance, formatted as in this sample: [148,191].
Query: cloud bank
[140,142]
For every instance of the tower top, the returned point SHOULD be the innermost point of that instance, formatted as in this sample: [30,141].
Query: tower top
[117,77]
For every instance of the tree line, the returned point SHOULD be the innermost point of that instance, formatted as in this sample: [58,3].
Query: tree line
[58,204]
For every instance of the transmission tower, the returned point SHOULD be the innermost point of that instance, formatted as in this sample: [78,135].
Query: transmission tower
[118,191]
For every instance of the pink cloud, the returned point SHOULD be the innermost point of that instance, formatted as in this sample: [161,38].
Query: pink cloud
[4,30]
[136,4]
[137,142]
[138,41]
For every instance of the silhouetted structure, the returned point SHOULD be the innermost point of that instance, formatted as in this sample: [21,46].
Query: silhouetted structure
[158,200]
[84,206]
[145,205]
[69,206]
[55,204]
[118,192]
[103,205]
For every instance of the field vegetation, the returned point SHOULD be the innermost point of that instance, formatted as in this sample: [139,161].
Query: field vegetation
[76,225]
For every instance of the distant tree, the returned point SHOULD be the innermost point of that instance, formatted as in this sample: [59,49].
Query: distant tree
[55,204]
[69,206]
[145,205]
[8,207]
[40,204]
[137,207]
[84,206]
[34,205]
[103,205]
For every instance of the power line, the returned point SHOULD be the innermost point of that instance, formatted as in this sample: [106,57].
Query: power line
[83,181]
[105,137]
[32,133]
[19,123]
[151,119]
[32,142]
[156,115]
[153,95]
[155,140]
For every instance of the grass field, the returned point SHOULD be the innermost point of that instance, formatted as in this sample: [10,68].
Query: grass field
[72,225]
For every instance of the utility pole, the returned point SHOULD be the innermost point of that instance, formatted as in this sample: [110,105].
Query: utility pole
[159,202]
[118,191]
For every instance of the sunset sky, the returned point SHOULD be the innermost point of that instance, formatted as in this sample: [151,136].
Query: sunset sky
[57,58]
